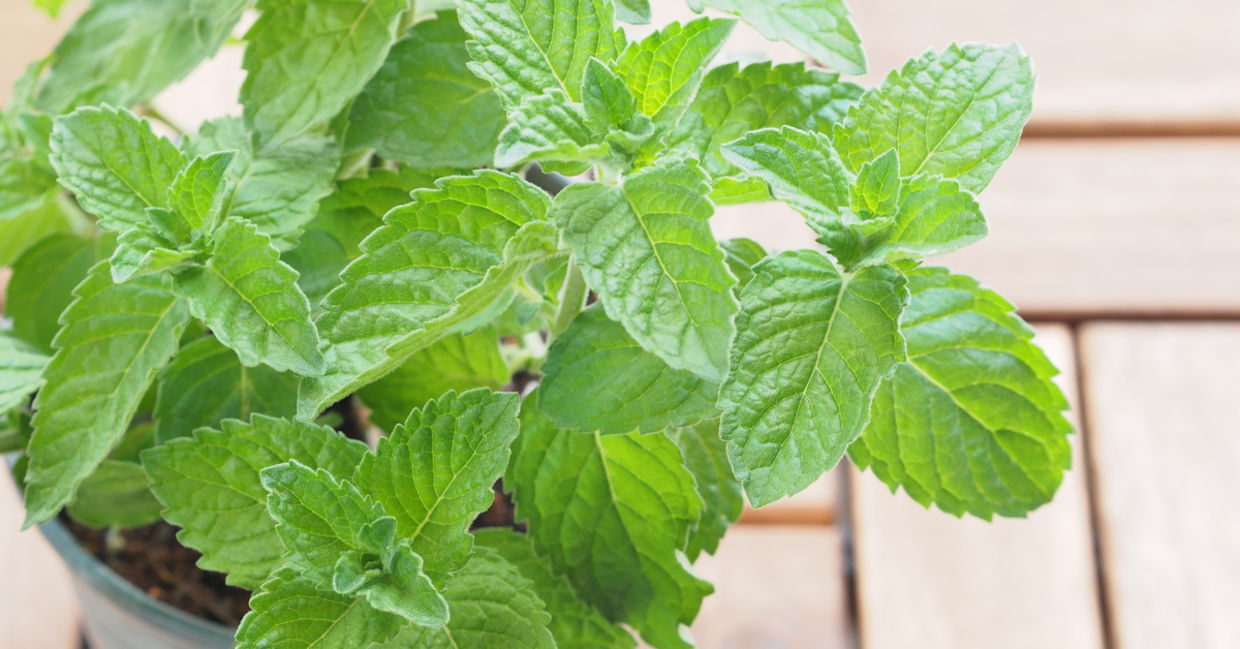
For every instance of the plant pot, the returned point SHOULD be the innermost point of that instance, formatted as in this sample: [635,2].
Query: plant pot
[118,615]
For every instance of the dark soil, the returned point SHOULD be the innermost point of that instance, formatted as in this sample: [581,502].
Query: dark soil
[153,560]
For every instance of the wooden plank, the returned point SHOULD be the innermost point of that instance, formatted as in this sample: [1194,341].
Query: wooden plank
[27,34]
[816,505]
[777,587]
[928,580]
[1162,403]
[1090,228]
[38,607]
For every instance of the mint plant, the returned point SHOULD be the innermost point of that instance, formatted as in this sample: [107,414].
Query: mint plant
[185,309]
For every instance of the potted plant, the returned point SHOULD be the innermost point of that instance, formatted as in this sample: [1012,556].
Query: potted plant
[194,320]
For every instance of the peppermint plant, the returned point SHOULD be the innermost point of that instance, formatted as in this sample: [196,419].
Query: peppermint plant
[185,306]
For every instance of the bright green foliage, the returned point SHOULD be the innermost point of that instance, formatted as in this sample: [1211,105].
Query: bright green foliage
[636,12]
[617,528]
[526,47]
[307,58]
[575,624]
[348,215]
[434,473]
[734,101]
[972,422]
[114,164]
[424,107]
[210,487]
[278,189]
[742,255]
[50,216]
[340,539]
[934,216]
[206,384]
[490,602]
[446,257]
[723,500]
[820,28]
[251,301]
[21,371]
[665,69]
[812,347]
[42,286]
[646,247]
[117,494]
[630,389]
[115,338]
[458,362]
[123,52]
[198,192]
[956,114]
[291,611]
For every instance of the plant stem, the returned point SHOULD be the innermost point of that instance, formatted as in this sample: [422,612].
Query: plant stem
[572,299]
[10,440]
[151,112]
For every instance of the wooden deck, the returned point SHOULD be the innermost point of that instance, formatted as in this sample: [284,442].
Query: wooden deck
[1116,229]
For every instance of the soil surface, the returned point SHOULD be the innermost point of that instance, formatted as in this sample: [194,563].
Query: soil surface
[152,559]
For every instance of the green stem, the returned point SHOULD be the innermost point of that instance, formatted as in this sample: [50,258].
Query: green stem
[151,112]
[572,300]
[10,441]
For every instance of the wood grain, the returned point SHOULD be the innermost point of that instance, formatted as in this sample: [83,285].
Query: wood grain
[1090,228]
[928,580]
[38,607]
[1166,450]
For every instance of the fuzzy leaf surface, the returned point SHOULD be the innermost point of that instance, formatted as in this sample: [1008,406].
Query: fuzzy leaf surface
[307,58]
[616,529]
[251,301]
[210,487]
[812,347]
[117,494]
[819,28]
[956,114]
[598,379]
[972,422]
[21,371]
[42,285]
[665,69]
[115,339]
[290,611]
[424,107]
[647,248]
[435,472]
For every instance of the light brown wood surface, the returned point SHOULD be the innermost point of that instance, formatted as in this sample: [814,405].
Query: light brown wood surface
[38,608]
[927,580]
[1089,228]
[816,505]
[1166,451]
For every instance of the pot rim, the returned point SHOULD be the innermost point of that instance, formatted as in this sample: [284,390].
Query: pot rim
[85,567]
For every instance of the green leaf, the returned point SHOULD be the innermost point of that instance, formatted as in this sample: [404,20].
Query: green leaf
[616,528]
[972,422]
[934,217]
[21,371]
[956,114]
[734,101]
[435,472]
[445,258]
[278,189]
[337,535]
[647,248]
[24,185]
[307,58]
[250,300]
[527,47]
[492,605]
[424,107]
[459,362]
[51,216]
[812,346]
[333,239]
[199,191]
[742,255]
[123,52]
[115,339]
[291,612]
[802,169]
[820,28]
[630,388]
[141,251]
[706,457]
[206,384]
[575,623]
[117,494]
[114,163]
[636,12]
[665,69]
[42,286]
[52,7]
[209,485]
[550,127]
